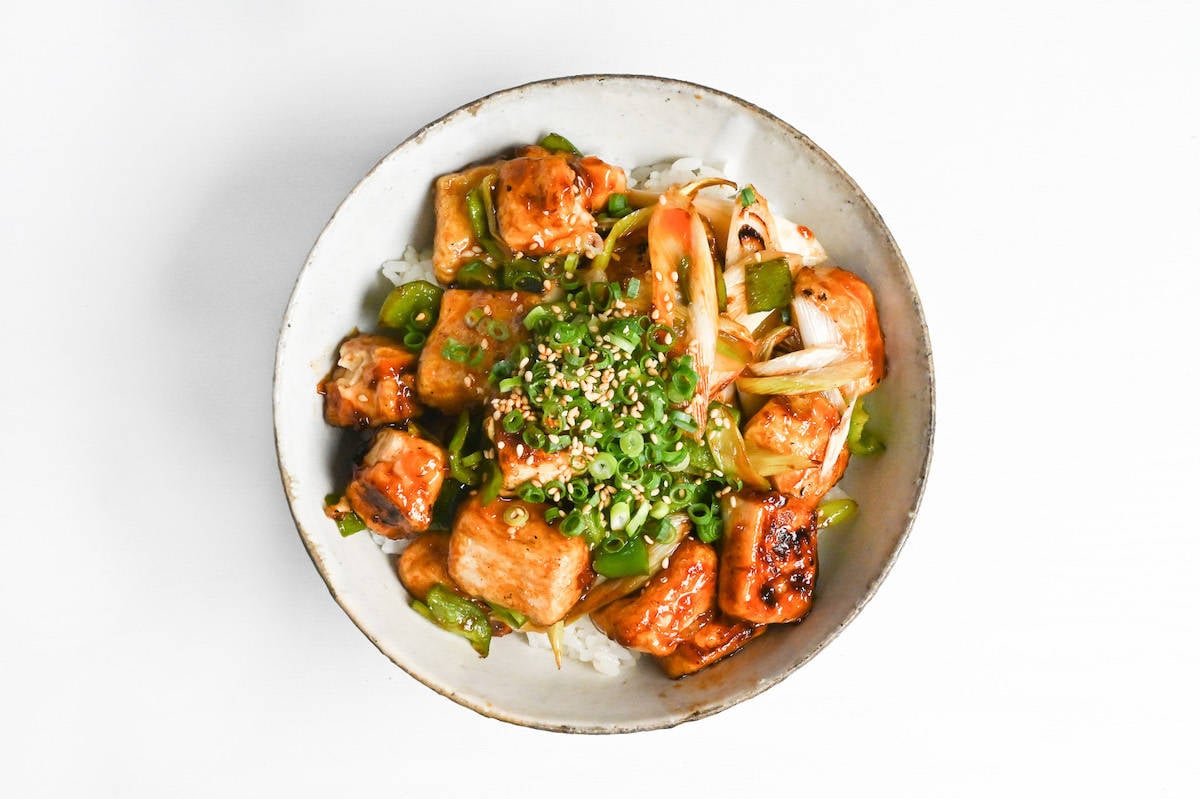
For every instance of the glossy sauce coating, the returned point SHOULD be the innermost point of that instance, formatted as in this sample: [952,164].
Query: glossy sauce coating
[653,620]
[371,385]
[532,568]
[769,558]
[395,486]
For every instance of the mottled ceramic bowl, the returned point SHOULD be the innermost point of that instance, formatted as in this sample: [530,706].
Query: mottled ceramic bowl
[628,120]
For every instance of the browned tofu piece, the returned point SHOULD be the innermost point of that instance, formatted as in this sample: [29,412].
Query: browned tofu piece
[597,180]
[395,486]
[769,558]
[453,238]
[845,299]
[542,208]
[451,386]
[423,564]
[533,569]
[653,621]
[712,637]
[798,426]
[522,464]
[371,385]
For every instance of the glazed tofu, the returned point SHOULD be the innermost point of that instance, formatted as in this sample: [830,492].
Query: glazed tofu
[600,180]
[532,569]
[542,207]
[423,564]
[453,238]
[653,621]
[395,486]
[799,427]
[449,385]
[522,464]
[843,298]
[712,637]
[769,558]
[372,384]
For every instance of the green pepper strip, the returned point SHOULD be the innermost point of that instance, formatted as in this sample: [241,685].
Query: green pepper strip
[557,143]
[627,224]
[493,481]
[630,560]
[457,615]
[768,285]
[458,469]
[835,511]
[509,616]
[405,302]
[477,213]
[858,439]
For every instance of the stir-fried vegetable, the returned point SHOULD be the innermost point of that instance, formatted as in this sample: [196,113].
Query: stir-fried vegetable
[768,285]
[620,558]
[860,440]
[457,615]
[835,511]
[348,522]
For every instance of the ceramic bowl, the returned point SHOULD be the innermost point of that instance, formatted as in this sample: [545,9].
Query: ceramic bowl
[627,120]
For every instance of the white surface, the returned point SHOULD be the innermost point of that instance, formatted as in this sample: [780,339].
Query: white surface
[165,171]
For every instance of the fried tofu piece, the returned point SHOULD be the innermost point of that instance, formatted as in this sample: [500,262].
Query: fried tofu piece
[395,486]
[845,299]
[453,238]
[423,564]
[653,621]
[532,569]
[711,637]
[542,208]
[798,427]
[522,464]
[371,385]
[449,385]
[769,559]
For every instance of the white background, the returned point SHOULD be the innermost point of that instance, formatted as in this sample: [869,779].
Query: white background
[165,168]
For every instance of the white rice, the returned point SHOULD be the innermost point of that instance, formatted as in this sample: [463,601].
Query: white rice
[583,642]
[657,177]
[410,266]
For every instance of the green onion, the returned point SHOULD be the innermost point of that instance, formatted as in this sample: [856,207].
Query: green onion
[603,466]
[617,206]
[414,340]
[557,143]
[532,493]
[515,515]
[625,225]
[474,317]
[534,437]
[573,525]
[768,285]
[632,443]
[618,515]
[455,351]
[747,196]
[513,421]
[632,288]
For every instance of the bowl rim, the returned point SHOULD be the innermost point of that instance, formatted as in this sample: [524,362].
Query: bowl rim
[925,353]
